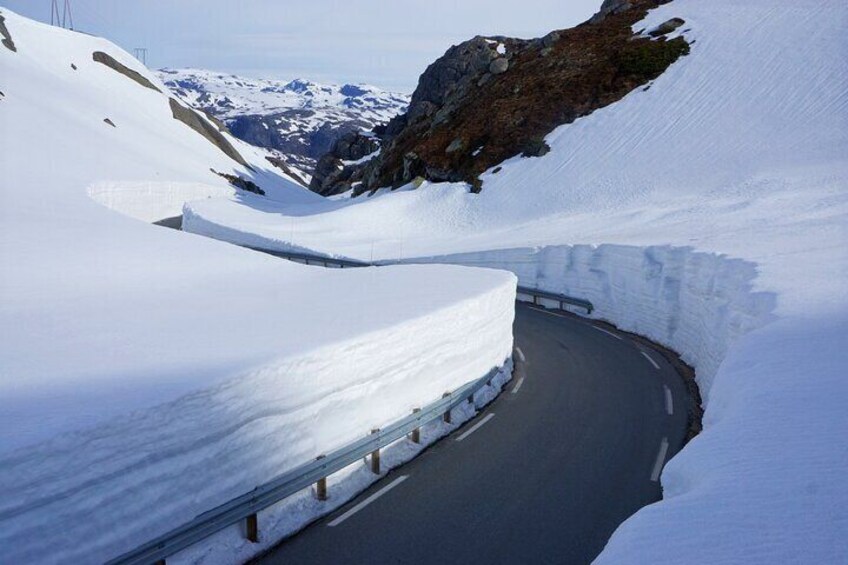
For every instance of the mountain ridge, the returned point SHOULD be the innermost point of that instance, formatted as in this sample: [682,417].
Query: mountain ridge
[298,120]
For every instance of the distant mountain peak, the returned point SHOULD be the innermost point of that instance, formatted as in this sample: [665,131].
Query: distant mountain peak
[299,119]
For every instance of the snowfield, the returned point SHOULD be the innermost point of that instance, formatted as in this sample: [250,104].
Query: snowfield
[150,375]
[708,212]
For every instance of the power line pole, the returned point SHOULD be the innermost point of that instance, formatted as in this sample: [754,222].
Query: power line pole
[66,19]
[141,54]
[54,12]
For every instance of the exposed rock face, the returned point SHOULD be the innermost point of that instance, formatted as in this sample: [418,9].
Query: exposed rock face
[331,175]
[113,64]
[293,173]
[202,126]
[610,7]
[7,37]
[498,66]
[666,27]
[490,99]
[240,183]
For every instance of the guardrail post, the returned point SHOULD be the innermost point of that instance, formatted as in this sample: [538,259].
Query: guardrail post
[253,528]
[535,299]
[416,433]
[447,416]
[321,485]
[375,455]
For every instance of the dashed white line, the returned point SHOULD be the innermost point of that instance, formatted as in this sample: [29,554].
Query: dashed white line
[368,501]
[648,357]
[618,337]
[518,385]
[655,475]
[476,426]
[669,403]
[520,354]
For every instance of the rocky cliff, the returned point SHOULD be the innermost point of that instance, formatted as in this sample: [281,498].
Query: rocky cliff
[492,98]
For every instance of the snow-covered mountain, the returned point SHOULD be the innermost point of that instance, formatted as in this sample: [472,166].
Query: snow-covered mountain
[299,119]
[139,363]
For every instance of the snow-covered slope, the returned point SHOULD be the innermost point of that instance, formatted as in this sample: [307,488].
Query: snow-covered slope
[709,212]
[299,119]
[149,375]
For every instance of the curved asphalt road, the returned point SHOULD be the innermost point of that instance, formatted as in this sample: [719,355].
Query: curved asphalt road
[569,454]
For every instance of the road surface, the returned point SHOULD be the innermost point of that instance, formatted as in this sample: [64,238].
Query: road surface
[544,474]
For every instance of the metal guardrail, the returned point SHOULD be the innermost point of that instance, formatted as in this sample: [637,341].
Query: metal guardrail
[561,298]
[326,261]
[246,506]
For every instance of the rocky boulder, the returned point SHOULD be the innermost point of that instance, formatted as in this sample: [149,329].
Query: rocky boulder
[336,171]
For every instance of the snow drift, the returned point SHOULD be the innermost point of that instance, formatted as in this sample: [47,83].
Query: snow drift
[149,375]
[708,211]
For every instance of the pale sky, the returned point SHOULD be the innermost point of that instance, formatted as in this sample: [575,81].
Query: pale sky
[381,42]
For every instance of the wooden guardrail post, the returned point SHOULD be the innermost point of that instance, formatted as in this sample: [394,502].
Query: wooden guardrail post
[252,528]
[416,433]
[375,455]
[447,416]
[321,485]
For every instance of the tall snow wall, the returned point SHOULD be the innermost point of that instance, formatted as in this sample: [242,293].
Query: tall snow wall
[696,303]
[90,495]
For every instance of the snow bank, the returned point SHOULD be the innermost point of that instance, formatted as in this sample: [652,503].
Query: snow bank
[707,206]
[153,201]
[148,375]
[695,303]
[113,486]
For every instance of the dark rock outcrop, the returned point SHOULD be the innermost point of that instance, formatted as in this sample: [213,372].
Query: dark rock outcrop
[110,122]
[331,175]
[241,183]
[293,173]
[112,63]
[666,27]
[489,99]
[7,37]
[202,126]
[610,7]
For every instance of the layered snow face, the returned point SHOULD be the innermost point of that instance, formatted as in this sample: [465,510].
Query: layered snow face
[113,486]
[149,374]
[697,211]
[299,120]
[696,303]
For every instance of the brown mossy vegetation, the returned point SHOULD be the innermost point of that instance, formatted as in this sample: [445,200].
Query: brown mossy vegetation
[548,83]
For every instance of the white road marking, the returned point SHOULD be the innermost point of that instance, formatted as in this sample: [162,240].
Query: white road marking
[476,426]
[518,385]
[520,354]
[618,337]
[655,475]
[546,311]
[648,357]
[669,403]
[368,501]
